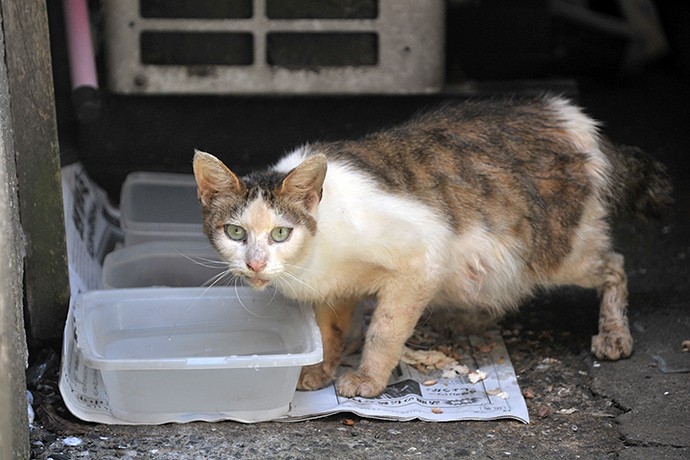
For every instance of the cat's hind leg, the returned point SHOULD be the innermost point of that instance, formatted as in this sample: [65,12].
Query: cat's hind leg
[602,269]
[613,341]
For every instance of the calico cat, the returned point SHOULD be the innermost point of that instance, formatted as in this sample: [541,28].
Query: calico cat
[470,208]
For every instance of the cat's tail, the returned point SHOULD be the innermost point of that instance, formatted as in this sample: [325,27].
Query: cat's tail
[639,183]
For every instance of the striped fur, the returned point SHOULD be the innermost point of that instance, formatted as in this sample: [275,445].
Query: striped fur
[469,208]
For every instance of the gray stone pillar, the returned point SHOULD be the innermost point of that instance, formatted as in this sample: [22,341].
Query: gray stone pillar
[14,425]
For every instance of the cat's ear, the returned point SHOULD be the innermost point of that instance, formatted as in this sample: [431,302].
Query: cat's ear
[213,177]
[305,182]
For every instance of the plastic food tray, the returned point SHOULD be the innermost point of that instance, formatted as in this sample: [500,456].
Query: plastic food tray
[164,263]
[182,354]
[160,206]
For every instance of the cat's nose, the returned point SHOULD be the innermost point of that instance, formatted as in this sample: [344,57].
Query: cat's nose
[256,265]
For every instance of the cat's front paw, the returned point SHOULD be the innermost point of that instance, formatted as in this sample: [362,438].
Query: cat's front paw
[316,377]
[358,384]
[612,345]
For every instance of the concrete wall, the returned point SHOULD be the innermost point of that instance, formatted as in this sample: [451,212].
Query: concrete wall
[14,432]
[36,156]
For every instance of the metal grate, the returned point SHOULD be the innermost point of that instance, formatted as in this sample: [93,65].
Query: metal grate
[274,46]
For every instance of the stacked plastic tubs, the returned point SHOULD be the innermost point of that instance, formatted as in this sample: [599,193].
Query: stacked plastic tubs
[173,337]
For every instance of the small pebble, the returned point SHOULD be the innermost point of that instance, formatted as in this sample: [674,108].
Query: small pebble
[685,346]
[72,441]
[543,411]
[569,411]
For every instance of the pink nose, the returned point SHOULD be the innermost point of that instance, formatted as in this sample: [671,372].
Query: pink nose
[256,265]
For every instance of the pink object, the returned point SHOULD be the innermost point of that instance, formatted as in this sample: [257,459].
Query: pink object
[80,44]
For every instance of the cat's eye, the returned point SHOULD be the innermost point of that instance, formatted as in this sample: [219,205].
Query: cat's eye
[235,232]
[280,234]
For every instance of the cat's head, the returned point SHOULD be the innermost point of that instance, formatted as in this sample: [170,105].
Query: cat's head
[261,224]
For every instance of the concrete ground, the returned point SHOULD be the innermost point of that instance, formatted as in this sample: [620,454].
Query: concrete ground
[580,408]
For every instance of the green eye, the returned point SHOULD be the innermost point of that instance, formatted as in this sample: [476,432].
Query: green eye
[280,234]
[235,232]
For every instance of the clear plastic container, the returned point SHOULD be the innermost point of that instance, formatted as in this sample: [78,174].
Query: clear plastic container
[164,263]
[160,206]
[182,354]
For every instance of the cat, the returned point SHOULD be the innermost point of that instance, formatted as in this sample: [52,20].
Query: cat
[470,207]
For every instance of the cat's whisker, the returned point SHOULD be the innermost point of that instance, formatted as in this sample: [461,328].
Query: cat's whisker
[291,276]
[214,279]
[219,277]
[173,328]
[254,314]
[239,299]
[303,269]
[296,278]
[284,283]
[275,294]
[305,284]
[203,261]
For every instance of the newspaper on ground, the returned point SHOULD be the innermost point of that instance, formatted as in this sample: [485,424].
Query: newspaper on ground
[470,379]
[482,385]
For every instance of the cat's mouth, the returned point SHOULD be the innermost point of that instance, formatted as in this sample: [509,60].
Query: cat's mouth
[257,282]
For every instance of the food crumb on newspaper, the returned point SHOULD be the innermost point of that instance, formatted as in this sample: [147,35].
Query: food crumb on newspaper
[477,376]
